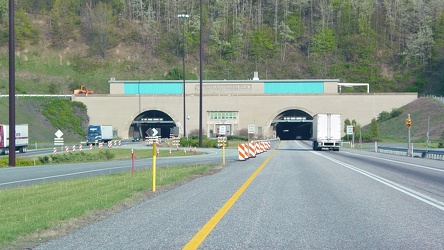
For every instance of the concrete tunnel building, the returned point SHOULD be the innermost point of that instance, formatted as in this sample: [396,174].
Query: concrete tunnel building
[276,108]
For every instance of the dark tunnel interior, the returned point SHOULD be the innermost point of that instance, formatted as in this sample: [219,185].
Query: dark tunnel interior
[293,125]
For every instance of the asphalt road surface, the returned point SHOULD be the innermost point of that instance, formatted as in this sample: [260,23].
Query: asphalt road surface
[289,198]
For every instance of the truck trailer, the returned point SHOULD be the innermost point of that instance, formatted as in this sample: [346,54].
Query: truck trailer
[21,138]
[99,134]
[326,131]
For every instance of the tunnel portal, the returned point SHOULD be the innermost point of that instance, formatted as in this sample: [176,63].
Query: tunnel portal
[152,123]
[293,124]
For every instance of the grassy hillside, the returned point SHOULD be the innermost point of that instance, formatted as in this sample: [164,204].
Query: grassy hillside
[419,110]
[41,129]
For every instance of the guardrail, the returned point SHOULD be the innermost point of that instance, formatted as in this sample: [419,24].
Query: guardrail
[36,95]
[420,153]
[440,98]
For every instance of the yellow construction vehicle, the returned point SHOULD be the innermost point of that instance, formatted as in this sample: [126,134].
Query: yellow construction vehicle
[83,90]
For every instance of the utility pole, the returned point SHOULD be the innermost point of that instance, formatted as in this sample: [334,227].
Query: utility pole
[183,16]
[12,160]
[200,75]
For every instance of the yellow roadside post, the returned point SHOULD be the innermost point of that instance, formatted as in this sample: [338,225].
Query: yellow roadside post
[154,166]
[223,152]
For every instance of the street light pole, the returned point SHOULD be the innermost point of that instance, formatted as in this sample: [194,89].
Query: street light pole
[200,75]
[183,73]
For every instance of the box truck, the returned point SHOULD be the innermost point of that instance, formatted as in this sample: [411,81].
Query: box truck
[99,133]
[326,131]
[21,138]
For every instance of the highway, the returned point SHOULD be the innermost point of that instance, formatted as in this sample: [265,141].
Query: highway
[288,198]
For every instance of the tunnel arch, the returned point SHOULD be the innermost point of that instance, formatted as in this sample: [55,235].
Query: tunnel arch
[144,123]
[292,124]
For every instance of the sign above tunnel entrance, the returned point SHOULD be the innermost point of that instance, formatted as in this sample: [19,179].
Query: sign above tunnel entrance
[291,119]
[225,88]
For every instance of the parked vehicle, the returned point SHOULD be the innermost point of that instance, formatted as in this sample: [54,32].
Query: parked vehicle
[99,133]
[326,131]
[21,138]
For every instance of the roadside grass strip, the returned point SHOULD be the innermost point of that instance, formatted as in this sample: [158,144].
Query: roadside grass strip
[94,155]
[29,209]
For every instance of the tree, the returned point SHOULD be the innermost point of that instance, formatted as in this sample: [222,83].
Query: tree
[383,116]
[347,122]
[99,25]
[419,48]
[391,44]
[374,129]
[35,6]
[24,29]
[286,38]
[174,74]
[323,43]
[63,23]
[3,10]
[261,44]
[322,48]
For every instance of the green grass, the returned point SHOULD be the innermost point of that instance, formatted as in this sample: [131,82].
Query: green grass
[394,130]
[29,111]
[30,209]
[121,154]
[42,71]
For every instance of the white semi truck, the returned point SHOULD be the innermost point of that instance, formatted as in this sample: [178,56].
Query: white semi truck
[21,138]
[326,131]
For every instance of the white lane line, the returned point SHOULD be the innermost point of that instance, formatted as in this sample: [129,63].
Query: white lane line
[61,175]
[405,163]
[389,160]
[419,196]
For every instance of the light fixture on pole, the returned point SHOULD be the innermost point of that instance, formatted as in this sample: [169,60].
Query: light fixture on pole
[183,73]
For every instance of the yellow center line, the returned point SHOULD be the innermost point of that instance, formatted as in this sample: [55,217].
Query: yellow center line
[195,242]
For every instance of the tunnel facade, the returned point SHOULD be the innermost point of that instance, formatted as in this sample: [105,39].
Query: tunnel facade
[274,108]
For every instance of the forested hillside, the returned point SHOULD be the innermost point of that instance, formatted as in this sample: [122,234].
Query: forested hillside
[395,45]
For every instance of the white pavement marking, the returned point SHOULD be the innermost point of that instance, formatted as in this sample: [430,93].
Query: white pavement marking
[405,163]
[417,195]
